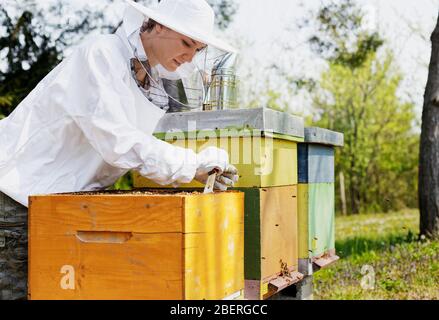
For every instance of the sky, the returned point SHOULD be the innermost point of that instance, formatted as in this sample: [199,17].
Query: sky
[263,24]
[262,29]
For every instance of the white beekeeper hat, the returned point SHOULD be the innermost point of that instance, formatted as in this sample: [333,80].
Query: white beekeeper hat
[192,18]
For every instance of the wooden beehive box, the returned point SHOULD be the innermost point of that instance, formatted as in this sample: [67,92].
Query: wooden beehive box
[262,143]
[136,245]
[316,196]
[271,244]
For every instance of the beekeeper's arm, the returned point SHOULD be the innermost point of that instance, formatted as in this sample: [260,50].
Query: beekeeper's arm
[92,90]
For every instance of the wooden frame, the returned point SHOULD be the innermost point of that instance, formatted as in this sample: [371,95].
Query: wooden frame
[136,245]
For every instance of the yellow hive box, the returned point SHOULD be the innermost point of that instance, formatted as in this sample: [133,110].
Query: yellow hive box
[262,160]
[136,245]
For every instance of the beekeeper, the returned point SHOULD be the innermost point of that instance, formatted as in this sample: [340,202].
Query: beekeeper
[91,119]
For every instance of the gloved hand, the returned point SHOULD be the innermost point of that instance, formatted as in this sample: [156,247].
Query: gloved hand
[215,158]
[227,178]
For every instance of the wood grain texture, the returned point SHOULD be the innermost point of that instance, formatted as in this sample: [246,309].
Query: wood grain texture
[214,265]
[261,161]
[214,245]
[129,213]
[148,266]
[136,246]
[278,229]
[270,230]
[303,221]
[215,213]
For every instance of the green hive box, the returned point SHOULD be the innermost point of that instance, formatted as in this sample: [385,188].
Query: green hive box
[262,143]
[316,199]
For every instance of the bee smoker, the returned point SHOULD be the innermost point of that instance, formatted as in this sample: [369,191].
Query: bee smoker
[222,92]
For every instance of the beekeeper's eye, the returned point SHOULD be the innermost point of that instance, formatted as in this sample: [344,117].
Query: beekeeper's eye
[186,44]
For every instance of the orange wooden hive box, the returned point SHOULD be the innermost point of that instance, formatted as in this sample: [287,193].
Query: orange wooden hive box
[136,245]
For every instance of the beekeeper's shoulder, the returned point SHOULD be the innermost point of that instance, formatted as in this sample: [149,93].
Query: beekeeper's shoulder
[105,49]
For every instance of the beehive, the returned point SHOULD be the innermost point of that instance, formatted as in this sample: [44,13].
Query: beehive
[316,196]
[136,245]
[271,244]
[261,143]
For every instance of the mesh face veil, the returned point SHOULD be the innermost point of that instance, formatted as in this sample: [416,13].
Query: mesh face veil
[195,82]
[199,91]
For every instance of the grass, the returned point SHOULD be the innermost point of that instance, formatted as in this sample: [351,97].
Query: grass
[395,264]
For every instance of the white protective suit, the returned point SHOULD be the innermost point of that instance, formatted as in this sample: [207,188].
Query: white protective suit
[85,125]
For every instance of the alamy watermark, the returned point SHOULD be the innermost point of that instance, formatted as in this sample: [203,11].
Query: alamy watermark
[245,146]
[368,280]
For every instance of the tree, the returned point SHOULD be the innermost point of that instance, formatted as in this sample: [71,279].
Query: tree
[33,44]
[429,149]
[379,157]
[340,37]
[35,40]
[357,96]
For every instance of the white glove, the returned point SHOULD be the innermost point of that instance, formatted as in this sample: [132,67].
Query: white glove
[227,178]
[215,158]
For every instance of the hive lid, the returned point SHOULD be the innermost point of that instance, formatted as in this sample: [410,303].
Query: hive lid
[259,119]
[324,136]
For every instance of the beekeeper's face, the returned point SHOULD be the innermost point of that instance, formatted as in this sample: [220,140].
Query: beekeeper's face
[171,49]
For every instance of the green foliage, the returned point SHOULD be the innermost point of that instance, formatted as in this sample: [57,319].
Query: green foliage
[29,57]
[34,40]
[123,183]
[224,12]
[357,95]
[340,36]
[404,267]
[379,159]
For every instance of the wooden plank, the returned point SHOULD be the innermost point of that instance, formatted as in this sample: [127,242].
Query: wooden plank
[261,162]
[118,253]
[325,260]
[278,229]
[321,218]
[214,213]
[280,166]
[252,233]
[142,213]
[265,288]
[282,282]
[214,245]
[320,164]
[147,266]
[315,163]
[214,265]
[303,221]
[302,162]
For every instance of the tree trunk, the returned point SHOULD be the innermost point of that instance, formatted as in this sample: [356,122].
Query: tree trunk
[342,194]
[429,150]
